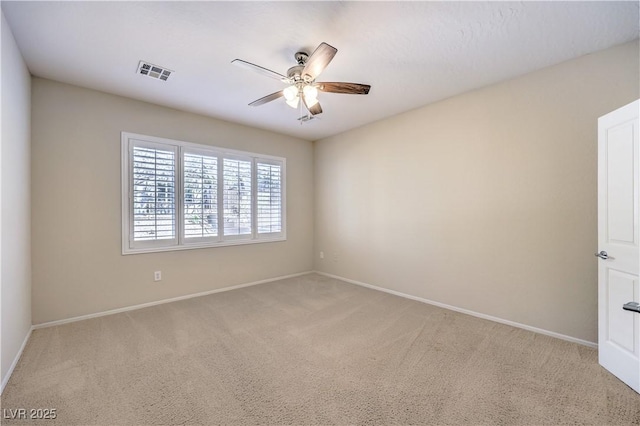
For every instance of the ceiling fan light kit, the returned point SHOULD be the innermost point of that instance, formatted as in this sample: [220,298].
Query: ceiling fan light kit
[291,96]
[301,79]
[310,94]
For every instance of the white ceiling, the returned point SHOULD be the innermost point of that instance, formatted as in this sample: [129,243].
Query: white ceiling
[411,53]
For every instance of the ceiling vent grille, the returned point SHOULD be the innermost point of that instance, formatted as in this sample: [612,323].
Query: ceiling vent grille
[154,71]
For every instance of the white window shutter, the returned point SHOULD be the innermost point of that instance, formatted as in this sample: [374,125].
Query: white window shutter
[237,196]
[200,208]
[178,195]
[153,194]
[269,198]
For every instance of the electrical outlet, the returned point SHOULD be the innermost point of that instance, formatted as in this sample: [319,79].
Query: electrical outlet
[157,276]
[321,255]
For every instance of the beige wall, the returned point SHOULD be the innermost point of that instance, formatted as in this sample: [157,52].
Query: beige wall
[485,201]
[15,250]
[77,263]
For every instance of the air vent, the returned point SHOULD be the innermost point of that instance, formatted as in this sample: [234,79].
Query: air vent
[153,71]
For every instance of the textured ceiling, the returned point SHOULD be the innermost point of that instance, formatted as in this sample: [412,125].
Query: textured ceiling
[411,53]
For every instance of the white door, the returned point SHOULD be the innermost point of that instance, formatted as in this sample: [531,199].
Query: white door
[618,238]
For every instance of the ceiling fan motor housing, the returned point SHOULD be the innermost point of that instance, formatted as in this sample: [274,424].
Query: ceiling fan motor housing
[295,73]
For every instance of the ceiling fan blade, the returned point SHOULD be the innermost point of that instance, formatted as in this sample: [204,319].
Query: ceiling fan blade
[319,60]
[268,98]
[316,109]
[348,88]
[259,69]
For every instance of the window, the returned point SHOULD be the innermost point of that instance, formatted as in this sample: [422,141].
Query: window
[178,195]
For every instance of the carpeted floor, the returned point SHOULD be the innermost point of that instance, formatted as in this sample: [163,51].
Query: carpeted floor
[310,350]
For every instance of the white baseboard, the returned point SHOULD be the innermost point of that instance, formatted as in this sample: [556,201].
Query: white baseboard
[466,311]
[160,302]
[6,378]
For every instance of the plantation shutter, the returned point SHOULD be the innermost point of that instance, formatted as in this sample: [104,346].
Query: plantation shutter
[200,181]
[269,197]
[153,193]
[237,196]
[178,195]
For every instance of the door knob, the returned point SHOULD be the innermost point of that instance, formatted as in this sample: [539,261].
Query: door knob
[632,306]
[603,255]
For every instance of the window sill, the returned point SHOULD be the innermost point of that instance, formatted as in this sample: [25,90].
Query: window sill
[192,246]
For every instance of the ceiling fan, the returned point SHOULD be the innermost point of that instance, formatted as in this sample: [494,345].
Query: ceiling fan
[301,80]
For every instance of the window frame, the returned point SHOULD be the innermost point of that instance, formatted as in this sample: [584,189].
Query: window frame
[180,242]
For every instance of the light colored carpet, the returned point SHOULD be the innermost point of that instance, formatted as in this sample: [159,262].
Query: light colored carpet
[310,350]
